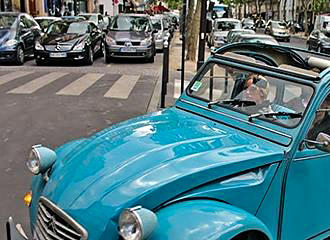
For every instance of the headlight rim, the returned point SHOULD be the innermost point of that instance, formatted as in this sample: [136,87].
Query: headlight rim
[37,154]
[136,217]
[40,48]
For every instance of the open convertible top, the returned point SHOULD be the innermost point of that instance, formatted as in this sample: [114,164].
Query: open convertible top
[293,60]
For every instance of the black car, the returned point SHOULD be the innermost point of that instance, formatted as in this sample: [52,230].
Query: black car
[70,40]
[18,33]
[319,41]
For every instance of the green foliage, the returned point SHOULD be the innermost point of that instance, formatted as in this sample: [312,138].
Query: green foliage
[321,6]
[174,4]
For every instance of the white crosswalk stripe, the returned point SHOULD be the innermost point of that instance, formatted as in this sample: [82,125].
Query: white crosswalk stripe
[122,87]
[12,76]
[177,87]
[38,83]
[81,84]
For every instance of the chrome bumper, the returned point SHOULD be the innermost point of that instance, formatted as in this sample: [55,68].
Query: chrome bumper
[14,232]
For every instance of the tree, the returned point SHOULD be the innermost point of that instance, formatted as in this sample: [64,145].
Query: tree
[304,5]
[321,6]
[192,41]
[189,20]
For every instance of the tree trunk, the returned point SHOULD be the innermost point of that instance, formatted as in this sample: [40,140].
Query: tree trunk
[191,4]
[305,21]
[192,42]
[284,10]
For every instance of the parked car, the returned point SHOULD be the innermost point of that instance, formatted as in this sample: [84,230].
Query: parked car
[278,30]
[159,24]
[96,18]
[217,165]
[233,33]
[44,22]
[221,27]
[248,23]
[18,32]
[130,36]
[73,18]
[70,40]
[255,38]
[319,41]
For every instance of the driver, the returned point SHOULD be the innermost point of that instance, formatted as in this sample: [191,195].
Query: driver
[321,122]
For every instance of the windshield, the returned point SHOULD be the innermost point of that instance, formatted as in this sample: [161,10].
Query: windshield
[92,18]
[279,25]
[227,26]
[68,28]
[8,21]
[325,34]
[156,23]
[130,23]
[251,93]
[248,21]
[44,23]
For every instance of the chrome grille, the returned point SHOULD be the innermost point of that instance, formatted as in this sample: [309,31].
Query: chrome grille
[122,43]
[54,224]
[58,48]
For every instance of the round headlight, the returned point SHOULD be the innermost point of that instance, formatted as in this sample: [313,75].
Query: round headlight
[40,159]
[129,226]
[33,162]
[136,223]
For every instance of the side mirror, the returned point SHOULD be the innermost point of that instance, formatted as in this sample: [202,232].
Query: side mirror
[322,142]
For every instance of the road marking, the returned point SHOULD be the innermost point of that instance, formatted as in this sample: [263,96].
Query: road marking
[11,76]
[80,85]
[38,83]
[177,87]
[122,87]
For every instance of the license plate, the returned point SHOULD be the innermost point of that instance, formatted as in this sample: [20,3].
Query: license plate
[128,49]
[57,55]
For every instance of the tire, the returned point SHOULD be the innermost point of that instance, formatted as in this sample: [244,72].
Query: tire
[309,47]
[151,59]
[90,58]
[288,40]
[39,63]
[101,51]
[20,55]
[317,49]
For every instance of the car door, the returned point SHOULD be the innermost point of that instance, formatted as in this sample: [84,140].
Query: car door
[26,34]
[96,37]
[307,193]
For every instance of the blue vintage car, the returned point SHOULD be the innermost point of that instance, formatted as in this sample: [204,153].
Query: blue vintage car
[243,154]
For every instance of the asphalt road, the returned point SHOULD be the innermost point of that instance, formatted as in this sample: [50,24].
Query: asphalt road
[51,105]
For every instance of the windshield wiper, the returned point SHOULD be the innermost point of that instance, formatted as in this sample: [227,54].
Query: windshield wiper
[275,114]
[233,102]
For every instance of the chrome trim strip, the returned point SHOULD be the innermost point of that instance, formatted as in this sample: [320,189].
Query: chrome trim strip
[235,118]
[65,216]
[311,157]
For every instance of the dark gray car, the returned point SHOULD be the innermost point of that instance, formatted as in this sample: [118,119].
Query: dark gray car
[130,36]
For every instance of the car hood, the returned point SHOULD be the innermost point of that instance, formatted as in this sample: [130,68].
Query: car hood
[128,35]
[221,34]
[149,160]
[70,39]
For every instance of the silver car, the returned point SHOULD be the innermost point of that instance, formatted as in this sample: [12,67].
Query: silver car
[221,27]
[162,31]
[130,36]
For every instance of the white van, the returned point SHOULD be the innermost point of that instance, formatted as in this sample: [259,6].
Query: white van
[322,23]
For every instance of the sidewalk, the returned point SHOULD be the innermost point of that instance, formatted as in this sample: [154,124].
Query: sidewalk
[174,83]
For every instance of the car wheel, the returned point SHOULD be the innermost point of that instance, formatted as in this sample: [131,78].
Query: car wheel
[288,40]
[20,55]
[101,51]
[309,47]
[317,49]
[39,63]
[151,59]
[90,58]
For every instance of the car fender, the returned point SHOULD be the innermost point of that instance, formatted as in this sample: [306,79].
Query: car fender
[205,219]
